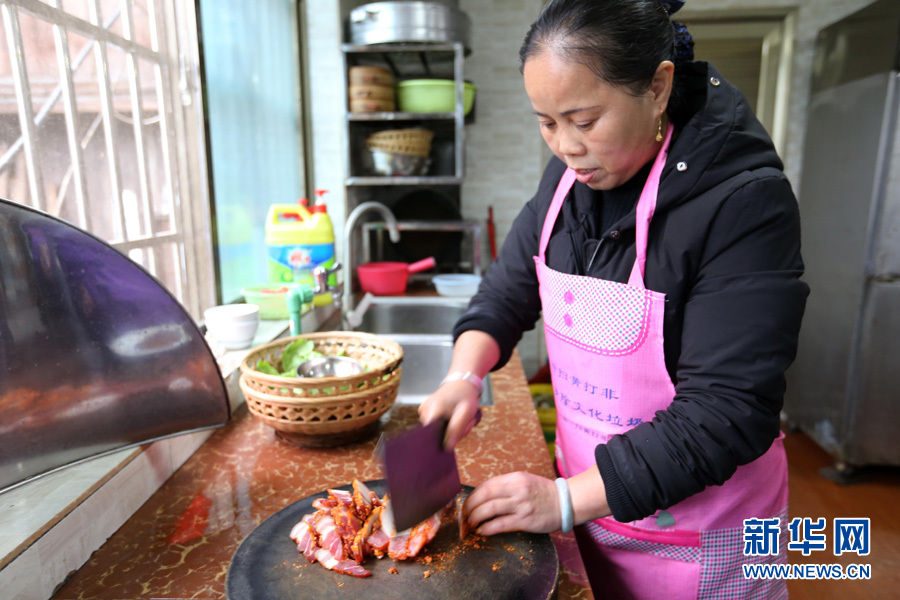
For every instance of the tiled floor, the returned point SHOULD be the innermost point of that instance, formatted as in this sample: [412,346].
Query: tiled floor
[876,496]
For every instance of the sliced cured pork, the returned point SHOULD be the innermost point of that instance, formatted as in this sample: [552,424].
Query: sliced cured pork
[348,527]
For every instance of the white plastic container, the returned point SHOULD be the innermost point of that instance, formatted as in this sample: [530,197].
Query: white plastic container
[461,284]
[232,326]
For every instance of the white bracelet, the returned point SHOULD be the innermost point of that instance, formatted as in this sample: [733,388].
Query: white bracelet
[565,504]
[465,376]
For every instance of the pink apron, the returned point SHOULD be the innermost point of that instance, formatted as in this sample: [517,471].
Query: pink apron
[605,344]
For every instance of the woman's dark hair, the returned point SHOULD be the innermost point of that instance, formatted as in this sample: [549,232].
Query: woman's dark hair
[621,41]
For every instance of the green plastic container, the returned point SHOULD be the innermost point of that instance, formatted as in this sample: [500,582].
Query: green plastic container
[433,96]
[271,299]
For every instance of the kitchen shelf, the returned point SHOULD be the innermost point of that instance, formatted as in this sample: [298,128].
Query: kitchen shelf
[400,47]
[443,186]
[407,60]
[472,228]
[400,116]
[423,180]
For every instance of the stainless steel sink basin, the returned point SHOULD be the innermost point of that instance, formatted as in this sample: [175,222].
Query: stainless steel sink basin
[412,315]
[426,359]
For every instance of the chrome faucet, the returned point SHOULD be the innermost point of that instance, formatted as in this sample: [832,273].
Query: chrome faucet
[320,279]
[302,293]
[357,212]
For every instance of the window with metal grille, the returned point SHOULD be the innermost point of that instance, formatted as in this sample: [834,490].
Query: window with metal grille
[101,125]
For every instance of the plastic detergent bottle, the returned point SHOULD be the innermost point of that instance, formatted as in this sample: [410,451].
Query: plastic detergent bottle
[297,242]
[320,214]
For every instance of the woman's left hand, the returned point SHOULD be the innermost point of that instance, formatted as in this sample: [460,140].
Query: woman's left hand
[514,502]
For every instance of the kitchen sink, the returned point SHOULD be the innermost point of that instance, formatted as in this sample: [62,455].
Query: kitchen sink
[426,360]
[423,326]
[389,314]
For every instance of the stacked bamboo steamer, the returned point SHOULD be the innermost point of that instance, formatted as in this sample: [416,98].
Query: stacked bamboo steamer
[371,89]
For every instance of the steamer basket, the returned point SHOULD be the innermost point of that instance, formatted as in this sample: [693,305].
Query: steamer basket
[371,105]
[325,411]
[370,75]
[413,142]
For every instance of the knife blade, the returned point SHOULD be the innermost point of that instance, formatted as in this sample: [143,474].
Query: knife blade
[421,476]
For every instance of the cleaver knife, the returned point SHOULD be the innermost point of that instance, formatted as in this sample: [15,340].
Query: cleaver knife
[421,476]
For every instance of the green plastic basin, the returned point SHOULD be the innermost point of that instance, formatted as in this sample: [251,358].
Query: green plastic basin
[271,299]
[433,96]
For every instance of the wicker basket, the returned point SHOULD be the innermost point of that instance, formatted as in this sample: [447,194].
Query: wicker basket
[414,142]
[370,75]
[325,411]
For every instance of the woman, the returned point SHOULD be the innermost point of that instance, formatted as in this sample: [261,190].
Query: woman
[663,250]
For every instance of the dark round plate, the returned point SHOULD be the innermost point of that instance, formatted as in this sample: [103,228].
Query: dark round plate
[268,566]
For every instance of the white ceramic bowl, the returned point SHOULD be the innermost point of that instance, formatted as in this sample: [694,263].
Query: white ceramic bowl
[232,326]
[459,284]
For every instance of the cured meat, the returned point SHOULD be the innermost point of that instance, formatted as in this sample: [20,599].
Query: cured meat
[387,518]
[423,533]
[360,546]
[347,527]
[325,504]
[408,544]
[378,543]
[329,539]
[362,500]
[397,549]
[345,521]
[304,534]
[461,518]
[342,497]
[347,567]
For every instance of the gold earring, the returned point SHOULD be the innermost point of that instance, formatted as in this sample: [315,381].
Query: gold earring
[659,135]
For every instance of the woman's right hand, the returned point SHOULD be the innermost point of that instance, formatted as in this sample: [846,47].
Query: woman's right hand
[457,402]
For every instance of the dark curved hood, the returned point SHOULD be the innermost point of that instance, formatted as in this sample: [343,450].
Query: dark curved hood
[95,354]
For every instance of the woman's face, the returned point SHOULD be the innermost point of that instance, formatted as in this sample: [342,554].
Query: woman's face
[603,132]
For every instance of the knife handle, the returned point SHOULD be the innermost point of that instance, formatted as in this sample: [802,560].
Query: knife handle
[475,420]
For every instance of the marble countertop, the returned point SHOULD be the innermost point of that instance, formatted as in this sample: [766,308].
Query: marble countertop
[180,542]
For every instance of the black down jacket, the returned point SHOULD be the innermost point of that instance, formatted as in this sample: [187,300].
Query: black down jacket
[724,247]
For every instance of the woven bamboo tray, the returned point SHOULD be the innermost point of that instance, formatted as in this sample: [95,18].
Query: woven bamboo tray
[414,142]
[325,411]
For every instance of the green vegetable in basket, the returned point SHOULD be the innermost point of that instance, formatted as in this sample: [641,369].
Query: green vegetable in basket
[296,353]
[264,367]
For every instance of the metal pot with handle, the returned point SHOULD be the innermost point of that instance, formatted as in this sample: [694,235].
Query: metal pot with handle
[387,22]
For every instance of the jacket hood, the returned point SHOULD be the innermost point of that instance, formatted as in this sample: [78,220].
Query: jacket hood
[721,139]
